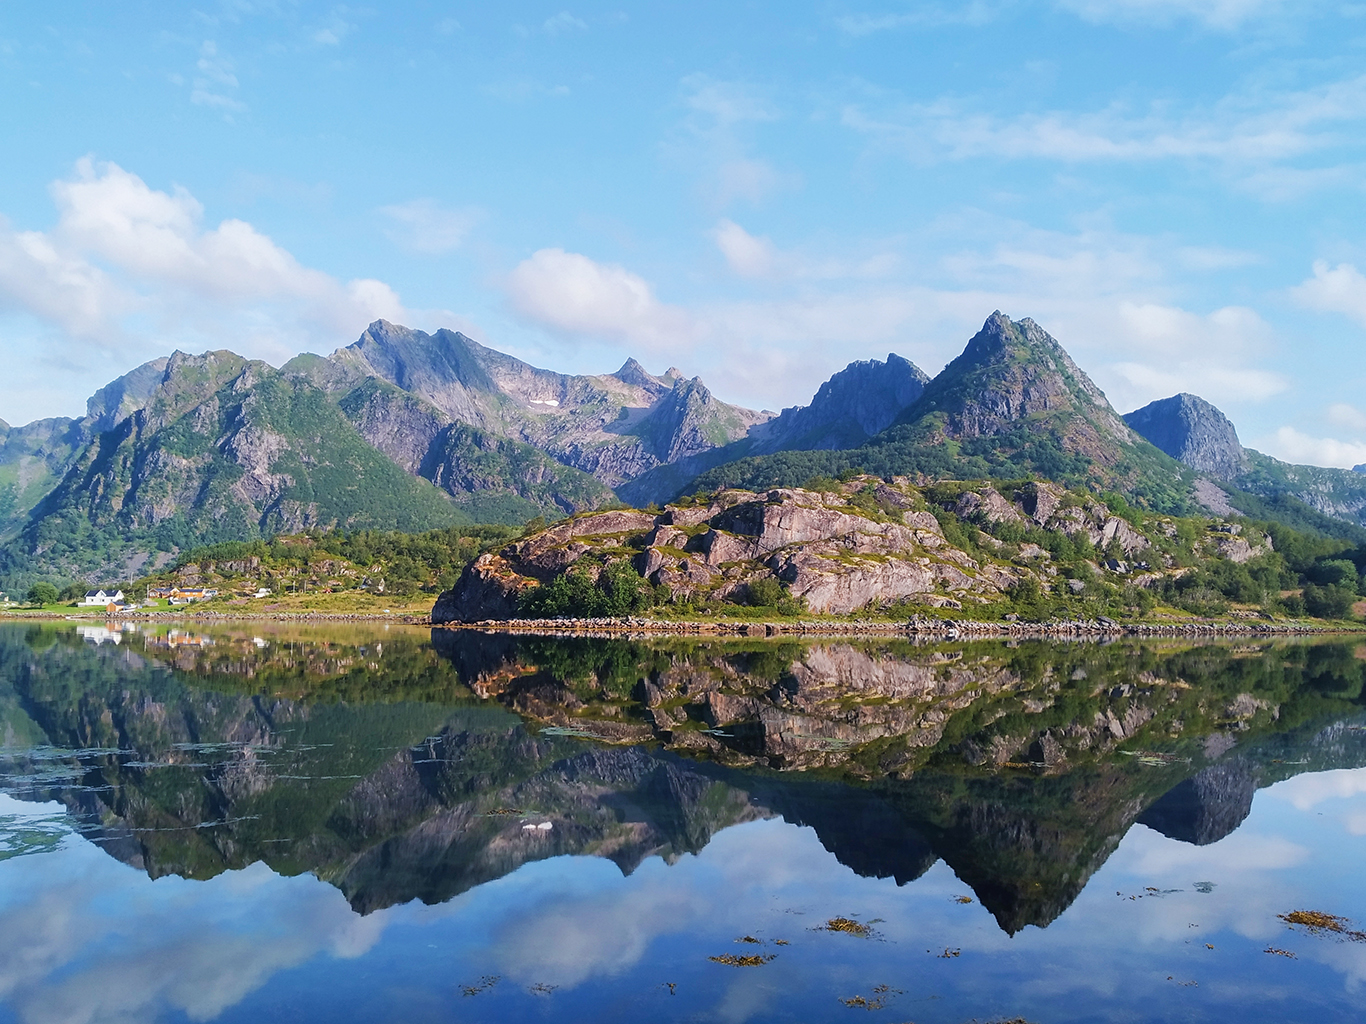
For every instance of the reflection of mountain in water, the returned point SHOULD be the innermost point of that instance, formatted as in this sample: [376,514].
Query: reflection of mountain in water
[396,771]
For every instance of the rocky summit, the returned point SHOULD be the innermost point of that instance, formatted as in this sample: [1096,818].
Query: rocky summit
[1192,431]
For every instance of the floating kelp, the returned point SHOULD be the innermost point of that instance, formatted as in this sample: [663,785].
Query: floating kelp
[753,960]
[877,1000]
[846,925]
[1316,922]
[484,983]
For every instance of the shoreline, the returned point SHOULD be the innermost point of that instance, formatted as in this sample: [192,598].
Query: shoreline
[950,629]
[643,628]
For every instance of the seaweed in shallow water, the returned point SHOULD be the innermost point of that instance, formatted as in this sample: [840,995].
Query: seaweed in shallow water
[731,960]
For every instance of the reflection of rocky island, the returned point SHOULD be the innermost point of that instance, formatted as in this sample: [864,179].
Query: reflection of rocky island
[396,770]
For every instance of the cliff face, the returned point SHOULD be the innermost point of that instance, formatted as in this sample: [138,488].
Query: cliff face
[1192,431]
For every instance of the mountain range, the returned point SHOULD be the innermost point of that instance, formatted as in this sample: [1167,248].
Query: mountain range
[408,430]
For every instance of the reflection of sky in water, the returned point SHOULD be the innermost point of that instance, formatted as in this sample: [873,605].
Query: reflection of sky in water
[84,938]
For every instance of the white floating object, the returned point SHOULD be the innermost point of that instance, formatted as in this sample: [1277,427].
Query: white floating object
[544,826]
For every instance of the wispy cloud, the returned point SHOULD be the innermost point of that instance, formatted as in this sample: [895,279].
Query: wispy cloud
[1246,129]
[1221,14]
[974,12]
[563,22]
[425,226]
[215,81]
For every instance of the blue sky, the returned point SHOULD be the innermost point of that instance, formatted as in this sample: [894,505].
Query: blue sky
[756,193]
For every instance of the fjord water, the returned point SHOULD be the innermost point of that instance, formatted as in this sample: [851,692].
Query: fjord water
[365,824]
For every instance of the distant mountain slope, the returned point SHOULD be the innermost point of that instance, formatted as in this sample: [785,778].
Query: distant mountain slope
[222,449]
[34,457]
[862,400]
[852,406]
[613,426]
[1192,430]
[1012,404]
[492,478]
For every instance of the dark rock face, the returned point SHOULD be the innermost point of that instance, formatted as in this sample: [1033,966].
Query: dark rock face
[1206,807]
[1192,431]
[1360,468]
[863,399]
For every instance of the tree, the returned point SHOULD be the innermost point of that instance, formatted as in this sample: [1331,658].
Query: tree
[42,593]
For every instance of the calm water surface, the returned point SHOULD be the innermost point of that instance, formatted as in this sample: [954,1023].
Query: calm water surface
[383,825]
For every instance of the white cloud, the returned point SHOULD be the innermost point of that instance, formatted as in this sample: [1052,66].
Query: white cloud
[1340,289]
[747,255]
[1307,791]
[756,257]
[563,22]
[1292,445]
[1184,351]
[425,226]
[84,961]
[572,294]
[132,272]
[1340,414]
[1252,129]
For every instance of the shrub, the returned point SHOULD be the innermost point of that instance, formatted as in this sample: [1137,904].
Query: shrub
[1328,602]
[42,593]
[615,590]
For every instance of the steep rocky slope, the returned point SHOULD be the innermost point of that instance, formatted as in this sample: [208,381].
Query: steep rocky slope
[34,457]
[863,399]
[221,449]
[1192,431]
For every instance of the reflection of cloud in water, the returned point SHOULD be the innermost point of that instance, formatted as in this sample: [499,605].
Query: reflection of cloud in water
[1305,792]
[102,943]
[604,932]
[1241,851]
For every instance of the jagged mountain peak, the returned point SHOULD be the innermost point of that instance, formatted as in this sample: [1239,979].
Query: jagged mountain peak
[856,403]
[633,373]
[125,395]
[1193,431]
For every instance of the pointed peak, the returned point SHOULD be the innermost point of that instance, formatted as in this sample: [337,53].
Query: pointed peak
[633,373]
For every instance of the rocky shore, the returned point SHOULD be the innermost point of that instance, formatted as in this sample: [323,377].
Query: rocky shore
[950,629]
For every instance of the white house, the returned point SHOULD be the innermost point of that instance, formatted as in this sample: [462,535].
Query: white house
[101,598]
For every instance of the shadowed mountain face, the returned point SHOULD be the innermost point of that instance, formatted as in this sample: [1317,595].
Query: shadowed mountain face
[1208,806]
[397,770]
[863,399]
[1192,431]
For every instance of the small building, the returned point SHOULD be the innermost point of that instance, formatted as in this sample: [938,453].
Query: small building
[102,598]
